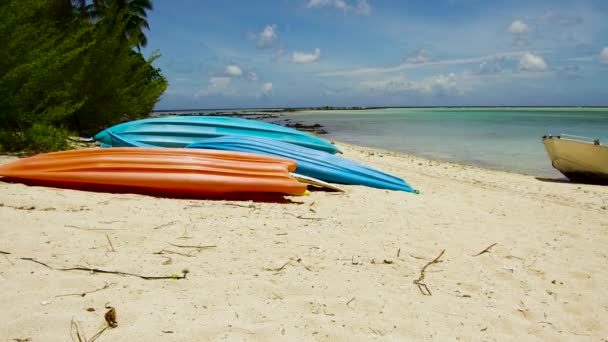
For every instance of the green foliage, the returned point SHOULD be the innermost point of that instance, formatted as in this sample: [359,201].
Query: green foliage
[60,69]
[35,139]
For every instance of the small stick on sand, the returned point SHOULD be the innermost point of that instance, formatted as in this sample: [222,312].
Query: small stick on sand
[191,246]
[351,300]
[110,242]
[166,251]
[165,225]
[419,282]
[3,252]
[486,250]
[302,217]
[82,294]
[89,229]
[279,269]
[96,270]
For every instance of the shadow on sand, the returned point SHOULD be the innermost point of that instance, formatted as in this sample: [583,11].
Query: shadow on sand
[115,189]
[573,181]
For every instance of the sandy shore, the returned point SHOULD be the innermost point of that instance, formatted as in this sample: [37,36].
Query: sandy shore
[331,267]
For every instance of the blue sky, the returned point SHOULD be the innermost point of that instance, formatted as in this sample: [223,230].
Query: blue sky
[293,53]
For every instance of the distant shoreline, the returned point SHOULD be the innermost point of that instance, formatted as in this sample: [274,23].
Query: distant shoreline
[300,109]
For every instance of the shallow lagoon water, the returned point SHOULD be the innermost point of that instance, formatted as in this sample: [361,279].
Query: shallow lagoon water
[497,138]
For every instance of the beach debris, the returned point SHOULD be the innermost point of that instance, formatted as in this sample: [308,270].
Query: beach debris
[302,217]
[6,253]
[165,225]
[45,303]
[110,316]
[509,268]
[350,301]
[78,335]
[199,247]
[89,229]
[277,270]
[251,206]
[82,294]
[90,309]
[110,242]
[27,339]
[97,270]
[486,250]
[189,254]
[424,289]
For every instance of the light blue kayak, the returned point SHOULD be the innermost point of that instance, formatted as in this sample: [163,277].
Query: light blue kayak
[179,131]
[312,163]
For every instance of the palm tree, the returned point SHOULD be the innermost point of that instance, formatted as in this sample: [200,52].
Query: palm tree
[136,16]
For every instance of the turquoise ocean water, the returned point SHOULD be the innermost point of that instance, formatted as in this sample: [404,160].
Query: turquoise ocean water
[496,138]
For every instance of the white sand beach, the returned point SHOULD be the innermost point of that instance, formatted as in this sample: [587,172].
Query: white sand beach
[327,267]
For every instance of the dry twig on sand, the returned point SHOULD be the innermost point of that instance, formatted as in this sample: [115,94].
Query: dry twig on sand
[419,282]
[110,242]
[96,270]
[486,250]
[82,294]
[302,217]
[165,225]
[192,246]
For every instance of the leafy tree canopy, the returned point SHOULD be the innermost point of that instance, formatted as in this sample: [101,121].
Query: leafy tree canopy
[64,67]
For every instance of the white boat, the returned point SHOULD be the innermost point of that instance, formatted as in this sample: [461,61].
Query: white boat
[581,159]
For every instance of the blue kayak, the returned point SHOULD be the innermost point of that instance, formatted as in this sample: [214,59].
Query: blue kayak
[179,131]
[312,163]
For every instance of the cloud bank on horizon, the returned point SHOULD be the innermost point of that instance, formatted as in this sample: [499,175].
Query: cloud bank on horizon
[296,53]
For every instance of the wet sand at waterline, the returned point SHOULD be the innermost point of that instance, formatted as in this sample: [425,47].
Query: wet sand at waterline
[478,255]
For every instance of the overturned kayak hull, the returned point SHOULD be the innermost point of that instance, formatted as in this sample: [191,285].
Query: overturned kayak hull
[310,162]
[157,171]
[179,131]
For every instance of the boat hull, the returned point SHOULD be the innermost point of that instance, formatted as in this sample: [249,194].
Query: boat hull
[578,160]
[157,171]
[179,131]
[316,164]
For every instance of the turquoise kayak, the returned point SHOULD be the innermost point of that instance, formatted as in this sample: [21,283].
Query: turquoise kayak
[317,164]
[179,131]
[312,163]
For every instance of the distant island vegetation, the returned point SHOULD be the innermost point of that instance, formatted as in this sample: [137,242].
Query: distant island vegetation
[72,66]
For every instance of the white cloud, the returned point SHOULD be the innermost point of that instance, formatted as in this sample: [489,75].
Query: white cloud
[400,84]
[490,67]
[604,56]
[233,70]
[362,7]
[267,36]
[302,57]
[582,59]
[532,62]
[251,76]
[216,86]
[266,88]
[518,27]
[419,57]
[407,65]
[219,82]
[559,19]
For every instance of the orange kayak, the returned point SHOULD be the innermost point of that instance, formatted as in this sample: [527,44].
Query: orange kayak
[171,172]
